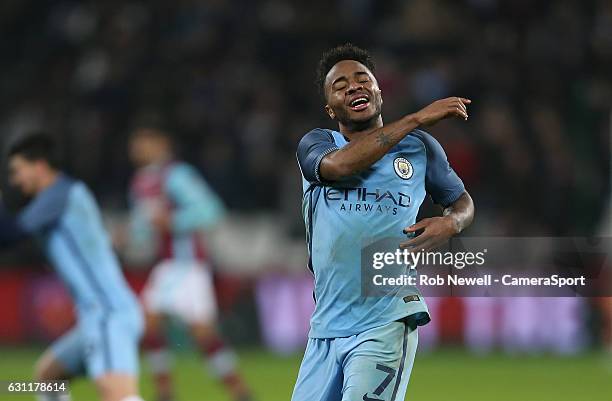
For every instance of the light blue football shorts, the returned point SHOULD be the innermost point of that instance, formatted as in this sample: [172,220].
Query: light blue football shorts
[371,366]
[97,345]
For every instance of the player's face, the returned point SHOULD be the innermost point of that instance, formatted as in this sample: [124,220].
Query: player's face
[143,150]
[352,93]
[24,174]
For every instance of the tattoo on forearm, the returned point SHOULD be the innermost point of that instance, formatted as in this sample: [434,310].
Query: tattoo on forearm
[383,140]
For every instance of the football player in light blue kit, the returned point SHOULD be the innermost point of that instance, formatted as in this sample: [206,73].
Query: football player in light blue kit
[361,183]
[64,217]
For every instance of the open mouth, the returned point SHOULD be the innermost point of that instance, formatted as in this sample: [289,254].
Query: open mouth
[359,103]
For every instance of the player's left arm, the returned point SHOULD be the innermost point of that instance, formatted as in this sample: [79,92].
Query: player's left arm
[446,189]
[437,230]
[197,206]
[42,212]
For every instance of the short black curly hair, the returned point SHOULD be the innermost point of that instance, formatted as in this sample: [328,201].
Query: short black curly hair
[34,146]
[347,51]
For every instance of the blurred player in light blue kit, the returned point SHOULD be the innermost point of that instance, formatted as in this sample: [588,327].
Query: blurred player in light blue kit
[64,217]
[172,207]
[366,181]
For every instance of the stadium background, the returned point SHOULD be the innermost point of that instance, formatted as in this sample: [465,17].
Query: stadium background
[233,82]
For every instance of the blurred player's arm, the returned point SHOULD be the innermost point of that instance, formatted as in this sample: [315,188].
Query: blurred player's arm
[446,189]
[197,207]
[42,212]
[366,150]
[10,230]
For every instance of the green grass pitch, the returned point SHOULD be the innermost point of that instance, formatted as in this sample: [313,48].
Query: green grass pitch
[441,375]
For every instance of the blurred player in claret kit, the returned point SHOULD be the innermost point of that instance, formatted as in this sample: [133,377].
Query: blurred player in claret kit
[64,218]
[172,202]
[363,348]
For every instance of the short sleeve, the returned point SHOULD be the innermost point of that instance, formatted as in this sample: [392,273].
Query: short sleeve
[196,205]
[45,210]
[313,147]
[441,182]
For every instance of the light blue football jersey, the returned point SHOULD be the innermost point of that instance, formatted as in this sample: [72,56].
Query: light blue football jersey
[342,216]
[66,220]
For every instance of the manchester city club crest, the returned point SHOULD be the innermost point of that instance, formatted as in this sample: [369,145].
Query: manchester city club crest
[403,168]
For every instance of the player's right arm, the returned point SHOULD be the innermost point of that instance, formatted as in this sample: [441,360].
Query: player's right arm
[197,206]
[366,150]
